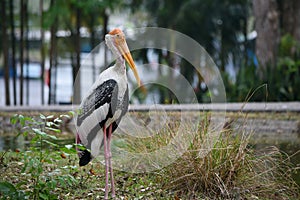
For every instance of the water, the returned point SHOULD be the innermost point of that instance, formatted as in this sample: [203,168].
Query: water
[12,142]
[9,142]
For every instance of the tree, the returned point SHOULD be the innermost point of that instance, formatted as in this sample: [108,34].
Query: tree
[268,32]
[53,49]
[71,16]
[5,45]
[13,49]
[76,64]
[274,19]
[22,15]
[26,19]
[42,51]
[216,25]
[290,17]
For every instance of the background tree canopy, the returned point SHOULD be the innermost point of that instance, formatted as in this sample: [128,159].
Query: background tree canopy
[253,42]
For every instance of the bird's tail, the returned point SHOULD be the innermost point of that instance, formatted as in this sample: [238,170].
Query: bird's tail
[84,155]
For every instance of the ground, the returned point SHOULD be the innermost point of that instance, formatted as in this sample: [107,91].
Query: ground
[54,172]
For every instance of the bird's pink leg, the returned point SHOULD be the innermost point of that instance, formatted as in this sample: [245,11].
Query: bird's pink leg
[109,162]
[106,156]
[78,141]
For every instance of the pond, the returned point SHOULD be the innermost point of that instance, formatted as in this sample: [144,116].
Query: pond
[12,142]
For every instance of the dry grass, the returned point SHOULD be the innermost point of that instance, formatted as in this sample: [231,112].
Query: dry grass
[230,170]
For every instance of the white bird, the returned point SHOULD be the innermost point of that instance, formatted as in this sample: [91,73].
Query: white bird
[104,105]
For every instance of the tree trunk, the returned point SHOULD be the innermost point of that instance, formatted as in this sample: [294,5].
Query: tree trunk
[52,57]
[105,27]
[5,42]
[267,27]
[76,67]
[27,52]
[291,18]
[42,51]
[93,44]
[13,49]
[245,33]
[52,63]
[22,9]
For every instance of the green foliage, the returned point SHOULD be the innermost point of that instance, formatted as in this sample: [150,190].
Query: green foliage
[42,144]
[219,26]
[288,70]
[278,82]
[232,169]
[9,190]
[216,25]
[247,87]
[289,47]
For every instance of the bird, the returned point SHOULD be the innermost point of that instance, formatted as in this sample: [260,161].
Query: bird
[103,107]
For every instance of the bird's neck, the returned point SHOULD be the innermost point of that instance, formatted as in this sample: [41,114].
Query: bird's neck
[120,65]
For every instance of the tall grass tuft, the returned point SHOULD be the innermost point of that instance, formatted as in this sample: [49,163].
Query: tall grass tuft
[232,169]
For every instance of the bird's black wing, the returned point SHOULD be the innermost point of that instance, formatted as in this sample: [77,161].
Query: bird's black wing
[95,109]
[103,94]
[125,103]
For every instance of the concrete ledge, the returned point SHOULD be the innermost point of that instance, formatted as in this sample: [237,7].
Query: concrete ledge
[234,107]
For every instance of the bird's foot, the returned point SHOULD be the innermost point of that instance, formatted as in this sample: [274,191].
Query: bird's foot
[113,195]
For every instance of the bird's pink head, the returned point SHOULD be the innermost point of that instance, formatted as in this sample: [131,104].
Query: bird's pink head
[116,31]
[116,42]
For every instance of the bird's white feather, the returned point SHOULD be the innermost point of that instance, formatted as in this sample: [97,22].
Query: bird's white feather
[117,73]
[92,121]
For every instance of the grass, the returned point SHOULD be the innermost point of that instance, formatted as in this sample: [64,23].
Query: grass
[232,169]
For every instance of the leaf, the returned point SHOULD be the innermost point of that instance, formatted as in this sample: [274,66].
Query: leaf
[42,116]
[49,124]
[62,181]
[57,120]
[51,143]
[35,139]
[28,119]
[43,196]
[72,113]
[7,187]
[52,183]
[52,137]
[66,116]
[22,120]
[14,119]
[50,117]
[39,132]
[54,129]
[9,190]
[72,179]
[80,146]
[69,146]
[68,149]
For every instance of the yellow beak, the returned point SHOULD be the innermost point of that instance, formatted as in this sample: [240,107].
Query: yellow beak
[123,48]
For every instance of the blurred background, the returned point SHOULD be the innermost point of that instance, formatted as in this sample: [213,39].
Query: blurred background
[254,43]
